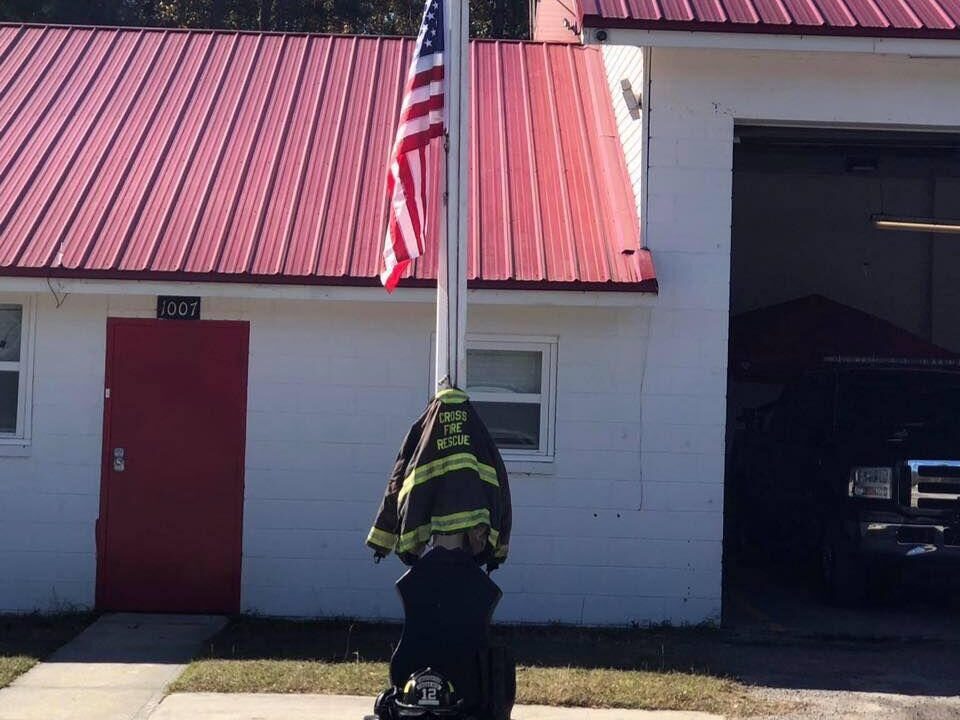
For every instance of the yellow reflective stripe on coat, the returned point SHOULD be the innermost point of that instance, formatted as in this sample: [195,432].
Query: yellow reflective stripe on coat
[382,538]
[443,524]
[452,396]
[444,465]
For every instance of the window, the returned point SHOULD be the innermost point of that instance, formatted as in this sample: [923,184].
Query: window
[13,372]
[512,385]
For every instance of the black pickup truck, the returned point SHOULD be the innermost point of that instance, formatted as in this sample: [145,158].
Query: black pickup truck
[856,464]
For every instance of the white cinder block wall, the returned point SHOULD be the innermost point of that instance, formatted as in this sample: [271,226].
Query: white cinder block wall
[317,466]
[624,526]
[332,389]
[49,492]
[695,99]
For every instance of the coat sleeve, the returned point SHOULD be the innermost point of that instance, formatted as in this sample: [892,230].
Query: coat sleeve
[383,536]
[506,511]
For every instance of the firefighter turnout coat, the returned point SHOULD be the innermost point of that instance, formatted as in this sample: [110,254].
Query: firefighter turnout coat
[448,478]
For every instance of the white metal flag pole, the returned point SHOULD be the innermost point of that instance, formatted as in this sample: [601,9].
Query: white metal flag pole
[451,352]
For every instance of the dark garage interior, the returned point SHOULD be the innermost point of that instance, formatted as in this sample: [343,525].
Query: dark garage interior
[842,496]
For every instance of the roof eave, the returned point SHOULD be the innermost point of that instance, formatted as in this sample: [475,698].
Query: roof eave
[644,285]
[783,38]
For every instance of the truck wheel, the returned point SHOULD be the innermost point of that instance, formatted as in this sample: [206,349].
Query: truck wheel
[844,574]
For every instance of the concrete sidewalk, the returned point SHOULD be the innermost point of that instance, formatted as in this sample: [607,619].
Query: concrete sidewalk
[217,706]
[116,669]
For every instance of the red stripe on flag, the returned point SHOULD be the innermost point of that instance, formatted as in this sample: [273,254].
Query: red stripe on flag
[434,74]
[412,142]
[410,191]
[417,126]
[423,192]
[418,110]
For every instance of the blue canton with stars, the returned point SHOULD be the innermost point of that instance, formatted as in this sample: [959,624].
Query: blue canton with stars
[431,31]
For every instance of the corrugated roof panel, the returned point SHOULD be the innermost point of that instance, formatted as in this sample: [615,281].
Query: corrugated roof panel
[555,215]
[708,11]
[900,13]
[273,228]
[803,12]
[872,18]
[524,202]
[491,197]
[183,160]
[772,11]
[156,141]
[589,250]
[742,12]
[836,13]
[241,233]
[262,157]
[868,14]
[931,14]
[677,9]
[951,8]
[95,207]
[53,94]
[227,183]
[348,165]
[645,8]
[8,38]
[115,222]
[319,174]
[43,188]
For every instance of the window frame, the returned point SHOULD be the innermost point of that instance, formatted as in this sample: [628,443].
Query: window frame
[547,346]
[24,367]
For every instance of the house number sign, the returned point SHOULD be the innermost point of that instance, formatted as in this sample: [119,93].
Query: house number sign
[178,307]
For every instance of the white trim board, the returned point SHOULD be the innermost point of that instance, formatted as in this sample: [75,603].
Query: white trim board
[918,48]
[558,298]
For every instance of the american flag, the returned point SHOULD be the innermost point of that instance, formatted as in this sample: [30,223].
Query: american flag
[421,120]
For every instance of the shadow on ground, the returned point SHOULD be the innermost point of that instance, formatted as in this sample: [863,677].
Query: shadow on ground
[905,639]
[38,635]
[884,663]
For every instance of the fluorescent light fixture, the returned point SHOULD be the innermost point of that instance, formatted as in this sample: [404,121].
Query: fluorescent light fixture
[913,224]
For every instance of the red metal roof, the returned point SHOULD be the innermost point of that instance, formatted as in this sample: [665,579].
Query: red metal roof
[870,18]
[137,153]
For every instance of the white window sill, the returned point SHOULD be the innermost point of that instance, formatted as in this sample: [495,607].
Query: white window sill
[529,466]
[12,447]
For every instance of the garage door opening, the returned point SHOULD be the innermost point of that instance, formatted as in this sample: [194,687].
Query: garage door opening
[843,432]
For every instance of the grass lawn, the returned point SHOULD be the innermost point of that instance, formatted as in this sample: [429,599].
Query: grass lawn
[27,639]
[648,669]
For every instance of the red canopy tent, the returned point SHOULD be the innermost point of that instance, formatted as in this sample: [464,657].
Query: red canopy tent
[775,343]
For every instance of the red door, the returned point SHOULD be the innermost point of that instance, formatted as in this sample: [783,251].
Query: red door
[171,502]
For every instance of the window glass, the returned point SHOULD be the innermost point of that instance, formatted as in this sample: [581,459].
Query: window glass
[11,326]
[504,371]
[513,426]
[9,386]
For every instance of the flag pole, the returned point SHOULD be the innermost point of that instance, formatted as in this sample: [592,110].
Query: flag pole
[451,351]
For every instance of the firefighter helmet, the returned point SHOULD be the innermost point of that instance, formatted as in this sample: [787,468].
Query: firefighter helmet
[427,693]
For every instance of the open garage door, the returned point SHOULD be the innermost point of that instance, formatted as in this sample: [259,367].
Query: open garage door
[843,479]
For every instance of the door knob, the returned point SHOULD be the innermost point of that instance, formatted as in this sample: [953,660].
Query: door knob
[119,459]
